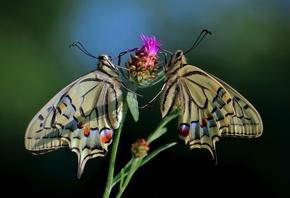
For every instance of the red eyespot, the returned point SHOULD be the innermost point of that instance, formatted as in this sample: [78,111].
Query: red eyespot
[106,135]
[184,130]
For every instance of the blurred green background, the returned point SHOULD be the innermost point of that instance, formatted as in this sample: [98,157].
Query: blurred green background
[248,48]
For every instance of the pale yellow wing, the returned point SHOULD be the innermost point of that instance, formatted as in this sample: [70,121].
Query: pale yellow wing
[210,108]
[247,121]
[82,116]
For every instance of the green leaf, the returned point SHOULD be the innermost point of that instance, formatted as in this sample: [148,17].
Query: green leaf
[159,132]
[133,105]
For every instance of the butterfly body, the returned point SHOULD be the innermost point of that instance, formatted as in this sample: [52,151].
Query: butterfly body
[82,116]
[210,108]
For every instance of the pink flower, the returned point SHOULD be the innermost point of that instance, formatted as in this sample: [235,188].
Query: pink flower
[143,66]
[150,45]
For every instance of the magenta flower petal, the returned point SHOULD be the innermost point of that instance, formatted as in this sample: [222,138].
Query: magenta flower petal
[150,45]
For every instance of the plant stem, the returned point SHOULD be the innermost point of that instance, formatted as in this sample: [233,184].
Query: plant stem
[115,145]
[135,165]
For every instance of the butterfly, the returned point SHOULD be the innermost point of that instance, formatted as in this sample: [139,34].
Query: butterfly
[82,116]
[210,108]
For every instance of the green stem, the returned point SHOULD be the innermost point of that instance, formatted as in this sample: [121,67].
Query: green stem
[159,131]
[114,153]
[135,165]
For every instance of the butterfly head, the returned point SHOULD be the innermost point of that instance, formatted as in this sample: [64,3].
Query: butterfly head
[104,58]
[105,64]
[179,56]
[177,60]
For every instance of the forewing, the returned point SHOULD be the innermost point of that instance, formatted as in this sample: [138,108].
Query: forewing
[42,134]
[246,121]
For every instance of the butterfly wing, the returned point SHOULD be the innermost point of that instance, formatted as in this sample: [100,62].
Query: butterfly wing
[210,108]
[246,121]
[41,135]
[82,116]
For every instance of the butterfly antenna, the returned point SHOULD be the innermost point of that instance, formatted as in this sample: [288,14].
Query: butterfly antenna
[199,39]
[82,48]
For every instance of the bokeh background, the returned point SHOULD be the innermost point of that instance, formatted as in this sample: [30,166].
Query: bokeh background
[248,48]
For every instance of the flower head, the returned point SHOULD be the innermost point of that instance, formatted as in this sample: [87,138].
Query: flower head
[143,65]
[140,148]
